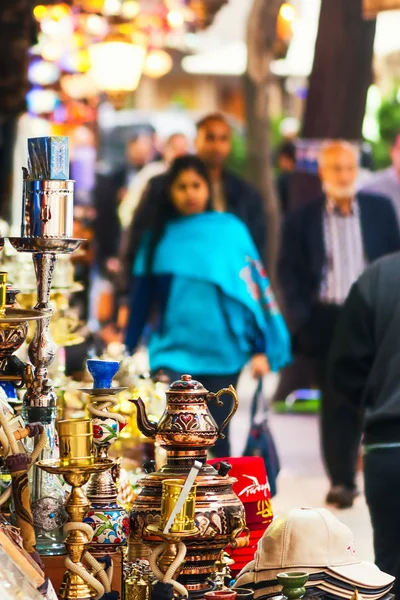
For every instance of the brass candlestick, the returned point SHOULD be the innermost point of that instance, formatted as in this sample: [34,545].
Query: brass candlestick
[76,465]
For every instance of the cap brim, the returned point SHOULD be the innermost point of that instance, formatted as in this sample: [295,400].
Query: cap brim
[335,590]
[364,574]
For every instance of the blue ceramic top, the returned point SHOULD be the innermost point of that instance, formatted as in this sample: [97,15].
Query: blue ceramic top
[102,372]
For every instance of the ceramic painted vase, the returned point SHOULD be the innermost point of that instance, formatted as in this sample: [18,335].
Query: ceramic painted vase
[102,372]
[110,524]
[105,430]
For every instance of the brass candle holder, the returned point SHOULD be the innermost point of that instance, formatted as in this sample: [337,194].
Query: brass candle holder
[76,465]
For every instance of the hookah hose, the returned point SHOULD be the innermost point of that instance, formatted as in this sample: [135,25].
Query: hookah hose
[8,439]
[167,577]
[105,576]
[18,464]
[100,409]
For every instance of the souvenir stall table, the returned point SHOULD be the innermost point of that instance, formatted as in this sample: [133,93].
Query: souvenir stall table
[72,509]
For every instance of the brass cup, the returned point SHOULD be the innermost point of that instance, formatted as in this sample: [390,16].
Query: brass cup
[76,442]
[184,520]
[3,291]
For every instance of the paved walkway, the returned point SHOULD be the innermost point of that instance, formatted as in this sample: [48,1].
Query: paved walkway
[302,481]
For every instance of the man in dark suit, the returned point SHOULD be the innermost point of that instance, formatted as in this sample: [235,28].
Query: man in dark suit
[325,247]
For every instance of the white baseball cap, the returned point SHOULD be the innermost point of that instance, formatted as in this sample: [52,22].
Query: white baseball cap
[312,540]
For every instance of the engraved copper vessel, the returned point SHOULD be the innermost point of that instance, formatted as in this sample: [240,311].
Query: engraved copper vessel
[186,431]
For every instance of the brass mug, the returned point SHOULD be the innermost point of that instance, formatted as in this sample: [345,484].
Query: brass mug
[76,442]
[3,292]
[184,520]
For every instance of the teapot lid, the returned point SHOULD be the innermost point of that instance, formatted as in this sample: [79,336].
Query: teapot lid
[187,384]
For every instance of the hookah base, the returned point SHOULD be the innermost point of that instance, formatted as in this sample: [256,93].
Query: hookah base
[102,549]
[197,590]
[51,549]
[74,588]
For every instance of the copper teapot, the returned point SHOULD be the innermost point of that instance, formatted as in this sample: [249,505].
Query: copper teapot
[187,431]
[187,421]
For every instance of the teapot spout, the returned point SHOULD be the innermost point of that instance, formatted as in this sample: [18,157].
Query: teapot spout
[146,427]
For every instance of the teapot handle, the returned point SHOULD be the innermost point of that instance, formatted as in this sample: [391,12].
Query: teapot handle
[230,390]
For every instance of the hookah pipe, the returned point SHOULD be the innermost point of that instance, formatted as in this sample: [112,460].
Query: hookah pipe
[102,587]
[168,576]
[171,572]
[99,409]
[19,464]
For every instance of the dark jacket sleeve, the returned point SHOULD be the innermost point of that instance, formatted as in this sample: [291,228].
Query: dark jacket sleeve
[290,272]
[257,220]
[392,227]
[107,229]
[140,304]
[353,350]
[147,306]
[246,202]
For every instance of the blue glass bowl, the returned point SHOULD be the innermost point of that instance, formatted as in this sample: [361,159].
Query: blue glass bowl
[102,372]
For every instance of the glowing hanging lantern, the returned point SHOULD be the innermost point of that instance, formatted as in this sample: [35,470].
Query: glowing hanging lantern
[158,63]
[175,18]
[111,8]
[41,101]
[43,73]
[76,62]
[284,24]
[40,12]
[52,51]
[117,64]
[130,9]
[59,11]
[82,59]
[287,12]
[79,86]
[92,6]
[96,25]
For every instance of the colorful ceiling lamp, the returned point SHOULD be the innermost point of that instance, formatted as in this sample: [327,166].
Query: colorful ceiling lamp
[117,64]
[158,63]
[175,18]
[79,86]
[41,101]
[43,73]
[130,9]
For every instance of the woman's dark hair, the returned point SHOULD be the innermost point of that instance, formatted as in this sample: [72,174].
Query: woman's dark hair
[156,209]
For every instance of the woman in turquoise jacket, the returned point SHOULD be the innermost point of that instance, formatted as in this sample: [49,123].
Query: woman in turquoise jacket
[199,283]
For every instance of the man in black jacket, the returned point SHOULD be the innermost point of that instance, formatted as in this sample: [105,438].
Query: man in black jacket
[364,370]
[325,248]
[230,192]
